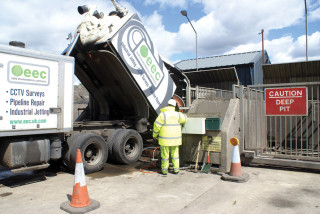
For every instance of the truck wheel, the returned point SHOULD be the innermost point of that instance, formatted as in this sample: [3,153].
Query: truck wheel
[94,152]
[110,142]
[70,142]
[127,147]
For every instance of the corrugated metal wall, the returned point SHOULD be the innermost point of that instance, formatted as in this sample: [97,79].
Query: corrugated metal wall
[292,72]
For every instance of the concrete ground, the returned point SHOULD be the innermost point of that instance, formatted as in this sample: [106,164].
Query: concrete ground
[123,189]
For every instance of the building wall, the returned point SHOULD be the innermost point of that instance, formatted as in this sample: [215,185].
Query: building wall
[244,74]
[258,75]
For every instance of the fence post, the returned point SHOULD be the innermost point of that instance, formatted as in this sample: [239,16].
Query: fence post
[242,118]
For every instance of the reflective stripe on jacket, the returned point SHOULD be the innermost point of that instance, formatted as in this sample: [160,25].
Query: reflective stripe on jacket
[167,126]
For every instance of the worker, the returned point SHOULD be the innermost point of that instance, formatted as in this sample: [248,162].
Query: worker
[168,131]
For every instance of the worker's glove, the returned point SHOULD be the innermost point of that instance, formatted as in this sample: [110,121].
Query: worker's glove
[155,139]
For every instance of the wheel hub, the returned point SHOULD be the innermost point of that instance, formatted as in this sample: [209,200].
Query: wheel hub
[89,153]
[130,147]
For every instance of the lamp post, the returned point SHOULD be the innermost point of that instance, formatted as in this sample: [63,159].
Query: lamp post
[184,13]
[262,45]
[306,14]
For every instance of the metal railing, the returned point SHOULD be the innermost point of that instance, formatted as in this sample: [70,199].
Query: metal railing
[293,137]
[210,93]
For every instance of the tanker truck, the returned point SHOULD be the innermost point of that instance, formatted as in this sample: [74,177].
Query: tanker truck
[128,82]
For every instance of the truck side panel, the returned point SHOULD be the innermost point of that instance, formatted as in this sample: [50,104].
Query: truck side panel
[136,49]
[66,94]
[36,92]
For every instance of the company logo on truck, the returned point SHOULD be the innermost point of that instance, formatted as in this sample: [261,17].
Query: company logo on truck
[28,73]
[137,50]
[149,63]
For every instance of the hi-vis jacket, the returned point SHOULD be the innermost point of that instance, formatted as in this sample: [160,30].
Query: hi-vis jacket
[167,127]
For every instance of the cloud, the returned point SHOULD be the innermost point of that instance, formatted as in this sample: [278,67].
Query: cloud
[224,27]
[314,15]
[163,40]
[249,14]
[286,49]
[313,46]
[42,29]
[167,3]
[234,27]
[238,22]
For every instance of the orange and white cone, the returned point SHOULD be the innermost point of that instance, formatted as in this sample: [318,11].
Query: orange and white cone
[235,173]
[80,201]
[235,169]
[80,196]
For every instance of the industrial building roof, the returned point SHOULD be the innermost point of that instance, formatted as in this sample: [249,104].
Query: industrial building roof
[220,61]
[221,78]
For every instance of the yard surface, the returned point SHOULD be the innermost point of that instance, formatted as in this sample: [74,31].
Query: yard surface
[124,189]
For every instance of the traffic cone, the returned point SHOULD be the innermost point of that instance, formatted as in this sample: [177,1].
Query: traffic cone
[235,173]
[80,196]
[80,201]
[235,169]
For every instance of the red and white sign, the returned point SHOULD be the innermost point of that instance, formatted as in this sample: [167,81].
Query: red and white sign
[287,101]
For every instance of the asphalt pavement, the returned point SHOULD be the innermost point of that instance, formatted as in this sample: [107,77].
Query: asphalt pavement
[124,189]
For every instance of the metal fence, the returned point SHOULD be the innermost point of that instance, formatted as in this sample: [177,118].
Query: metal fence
[290,137]
[209,93]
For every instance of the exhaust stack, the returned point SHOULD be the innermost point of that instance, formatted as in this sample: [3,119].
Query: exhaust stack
[121,11]
[90,9]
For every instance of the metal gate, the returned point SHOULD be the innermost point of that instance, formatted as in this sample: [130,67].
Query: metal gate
[279,140]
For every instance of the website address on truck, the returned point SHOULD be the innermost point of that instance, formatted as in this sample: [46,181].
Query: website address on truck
[28,121]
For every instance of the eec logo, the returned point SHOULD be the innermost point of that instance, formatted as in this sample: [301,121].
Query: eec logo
[17,71]
[154,72]
[144,53]
[28,73]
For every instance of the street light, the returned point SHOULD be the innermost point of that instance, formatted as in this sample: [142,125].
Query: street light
[184,13]
[306,15]
[262,45]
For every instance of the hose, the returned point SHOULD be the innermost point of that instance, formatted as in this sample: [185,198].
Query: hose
[154,162]
[149,148]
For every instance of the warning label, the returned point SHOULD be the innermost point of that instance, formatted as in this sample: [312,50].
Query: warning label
[212,144]
[286,101]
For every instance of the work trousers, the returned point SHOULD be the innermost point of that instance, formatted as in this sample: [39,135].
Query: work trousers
[174,151]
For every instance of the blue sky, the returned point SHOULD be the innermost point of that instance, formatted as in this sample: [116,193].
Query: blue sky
[223,27]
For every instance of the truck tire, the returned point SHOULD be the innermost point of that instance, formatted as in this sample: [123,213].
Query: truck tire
[110,142]
[70,142]
[127,147]
[94,152]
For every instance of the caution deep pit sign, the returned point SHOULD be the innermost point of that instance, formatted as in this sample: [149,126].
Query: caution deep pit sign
[286,101]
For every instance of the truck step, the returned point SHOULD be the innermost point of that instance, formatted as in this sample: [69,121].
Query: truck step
[37,167]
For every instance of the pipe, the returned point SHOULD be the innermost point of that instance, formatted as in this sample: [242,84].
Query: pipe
[122,11]
[262,46]
[98,15]
[83,9]
[17,44]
